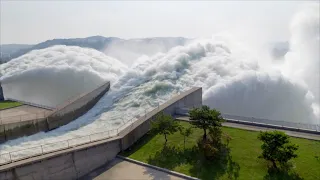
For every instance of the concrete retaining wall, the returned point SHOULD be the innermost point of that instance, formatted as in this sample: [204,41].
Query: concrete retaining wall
[64,114]
[188,99]
[24,128]
[76,108]
[76,162]
[68,164]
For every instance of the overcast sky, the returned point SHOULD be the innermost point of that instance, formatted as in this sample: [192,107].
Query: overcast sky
[31,22]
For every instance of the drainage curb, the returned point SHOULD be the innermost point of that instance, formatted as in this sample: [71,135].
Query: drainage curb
[12,107]
[158,168]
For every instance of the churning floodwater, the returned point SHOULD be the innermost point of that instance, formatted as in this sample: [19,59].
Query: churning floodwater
[235,80]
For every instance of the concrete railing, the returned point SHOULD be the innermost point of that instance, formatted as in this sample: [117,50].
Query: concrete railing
[31,104]
[267,125]
[260,121]
[80,155]
[21,118]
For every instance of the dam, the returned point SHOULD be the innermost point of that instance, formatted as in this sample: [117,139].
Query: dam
[76,157]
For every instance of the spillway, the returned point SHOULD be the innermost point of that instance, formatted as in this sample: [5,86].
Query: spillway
[234,81]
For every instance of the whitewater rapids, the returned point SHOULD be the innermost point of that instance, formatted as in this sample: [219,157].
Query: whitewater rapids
[234,81]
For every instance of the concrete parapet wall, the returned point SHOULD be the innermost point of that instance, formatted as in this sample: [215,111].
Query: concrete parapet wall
[76,107]
[188,99]
[76,162]
[64,114]
[24,128]
[67,164]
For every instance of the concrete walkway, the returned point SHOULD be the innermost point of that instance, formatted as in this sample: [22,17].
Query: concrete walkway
[258,128]
[120,169]
[22,113]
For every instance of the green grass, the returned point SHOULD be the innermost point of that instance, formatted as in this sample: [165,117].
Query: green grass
[8,104]
[242,162]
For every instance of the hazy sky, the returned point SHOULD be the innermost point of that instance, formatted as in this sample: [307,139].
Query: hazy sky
[32,22]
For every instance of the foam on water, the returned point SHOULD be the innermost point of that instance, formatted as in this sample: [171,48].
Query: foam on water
[233,81]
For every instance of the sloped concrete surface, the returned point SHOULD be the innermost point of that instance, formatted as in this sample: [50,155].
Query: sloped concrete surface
[121,169]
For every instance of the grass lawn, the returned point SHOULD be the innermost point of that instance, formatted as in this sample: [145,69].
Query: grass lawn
[8,104]
[241,163]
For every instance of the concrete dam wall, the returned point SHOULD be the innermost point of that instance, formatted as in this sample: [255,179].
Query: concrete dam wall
[62,115]
[75,162]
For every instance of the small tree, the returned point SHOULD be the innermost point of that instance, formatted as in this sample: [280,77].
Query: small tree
[276,147]
[205,118]
[185,132]
[164,124]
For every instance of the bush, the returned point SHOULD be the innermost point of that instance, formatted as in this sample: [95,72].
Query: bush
[276,147]
[205,119]
[165,125]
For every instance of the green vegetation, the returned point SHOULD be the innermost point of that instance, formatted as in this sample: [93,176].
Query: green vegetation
[185,132]
[241,162]
[164,125]
[8,104]
[205,118]
[277,148]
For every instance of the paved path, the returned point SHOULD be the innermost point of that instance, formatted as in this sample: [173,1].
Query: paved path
[258,128]
[120,169]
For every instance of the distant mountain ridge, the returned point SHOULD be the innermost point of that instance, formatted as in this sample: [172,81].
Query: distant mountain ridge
[99,43]
[94,42]
[122,49]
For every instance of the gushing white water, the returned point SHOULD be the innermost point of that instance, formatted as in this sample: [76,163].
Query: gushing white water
[234,80]
[51,76]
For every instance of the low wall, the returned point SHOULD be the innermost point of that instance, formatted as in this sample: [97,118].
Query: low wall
[292,126]
[67,164]
[30,104]
[187,99]
[64,114]
[24,128]
[75,162]
[76,108]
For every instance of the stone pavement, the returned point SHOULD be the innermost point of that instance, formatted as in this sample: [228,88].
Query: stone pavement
[120,169]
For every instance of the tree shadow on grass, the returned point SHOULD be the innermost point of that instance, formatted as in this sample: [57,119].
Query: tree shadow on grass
[282,173]
[214,169]
[137,145]
[170,157]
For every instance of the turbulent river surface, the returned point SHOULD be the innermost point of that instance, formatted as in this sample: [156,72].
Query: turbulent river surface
[235,80]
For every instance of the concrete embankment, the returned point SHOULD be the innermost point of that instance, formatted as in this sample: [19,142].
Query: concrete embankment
[73,163]
[24,125]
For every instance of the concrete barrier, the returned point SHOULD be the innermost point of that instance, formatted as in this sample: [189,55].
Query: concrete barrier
[76,162]
[292,126]
[309,131]
[66,164]
[76,108]
[64,114]
[187,99]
